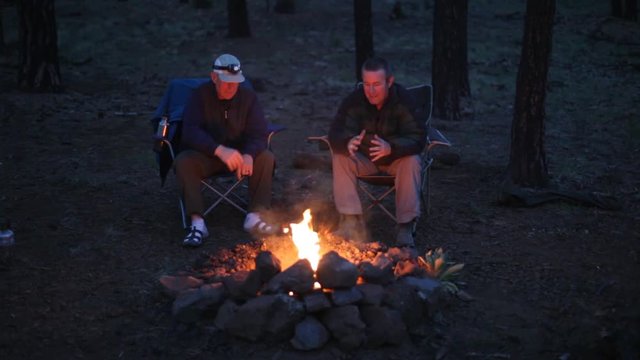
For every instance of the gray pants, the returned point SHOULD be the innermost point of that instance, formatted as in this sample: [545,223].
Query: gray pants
[407,180]
[193,166]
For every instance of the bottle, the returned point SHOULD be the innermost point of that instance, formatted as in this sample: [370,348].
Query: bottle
[163,126]
[6,235]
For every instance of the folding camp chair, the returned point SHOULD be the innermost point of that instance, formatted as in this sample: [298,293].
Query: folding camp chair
[369,185]
[168,120]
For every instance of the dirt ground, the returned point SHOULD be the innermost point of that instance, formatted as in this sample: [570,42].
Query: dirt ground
[95,231]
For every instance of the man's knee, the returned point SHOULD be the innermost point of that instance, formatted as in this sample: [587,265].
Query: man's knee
[187,161]
[265,159]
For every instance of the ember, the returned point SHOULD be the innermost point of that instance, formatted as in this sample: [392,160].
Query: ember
[363,295]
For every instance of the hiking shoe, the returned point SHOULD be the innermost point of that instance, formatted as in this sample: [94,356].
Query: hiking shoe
[404,235]
[352,228]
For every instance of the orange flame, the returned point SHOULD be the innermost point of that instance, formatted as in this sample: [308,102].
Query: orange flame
[306,240]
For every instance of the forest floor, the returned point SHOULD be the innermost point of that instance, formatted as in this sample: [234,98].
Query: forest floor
[95,231]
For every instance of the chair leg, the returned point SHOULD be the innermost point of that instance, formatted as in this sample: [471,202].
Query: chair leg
[224,196]
[377,200]
[182,212]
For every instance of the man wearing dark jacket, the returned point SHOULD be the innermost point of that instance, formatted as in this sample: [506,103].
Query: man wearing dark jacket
[376,130]
[224,129]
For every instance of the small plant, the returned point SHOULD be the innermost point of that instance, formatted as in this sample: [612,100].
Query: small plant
[436,266]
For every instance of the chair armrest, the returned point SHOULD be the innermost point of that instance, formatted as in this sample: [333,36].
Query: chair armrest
[436,138]
[323,139]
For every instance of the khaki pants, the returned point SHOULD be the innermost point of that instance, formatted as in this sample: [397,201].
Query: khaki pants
[407,180]
[193,166]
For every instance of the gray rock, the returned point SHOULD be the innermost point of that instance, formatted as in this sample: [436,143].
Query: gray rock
[251,318]
[398,254]
[286,312]
[406,301]
[423,284]
[341,297]
[384,326]
[267,316]
[316,301]
[310,334]
[335,271]
[267,265]
[380,271]
[191,303]
[408,268]
[226,313]
[372,294]
[345,325]
[297,278]
[174,285]
[243,285]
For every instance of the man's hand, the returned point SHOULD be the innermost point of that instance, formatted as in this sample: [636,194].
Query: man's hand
[355,142]
[246,169]
[379,149]
[230,157]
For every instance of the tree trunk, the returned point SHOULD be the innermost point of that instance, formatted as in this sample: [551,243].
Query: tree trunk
[527,162]
[625,9]
[364,33]
[285,7]
[39,68]
[238,19]
[449,70]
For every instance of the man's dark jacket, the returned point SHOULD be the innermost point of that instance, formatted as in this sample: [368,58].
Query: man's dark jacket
[238,123]
[396,122]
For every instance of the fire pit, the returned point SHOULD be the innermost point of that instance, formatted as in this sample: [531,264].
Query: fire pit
[309,288]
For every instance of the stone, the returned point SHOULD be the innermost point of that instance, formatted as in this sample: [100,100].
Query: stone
[191,303]
[310,334]
[251,318]
[406,301]
[297,278]
[372,294]
[425,285]
[334,271]
[267,265]
[341,297]
[407,268]
[384,326]
[316,301]
[226,313]
[243,285]
[345,325]
[378,271]
[286,312]
[174,285]
[399,254]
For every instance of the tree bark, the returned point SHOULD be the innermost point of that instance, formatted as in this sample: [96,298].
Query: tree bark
[285,7]
[625,9]
[238,17]
[449,70]
[39,67]
[364,33]
[527,162]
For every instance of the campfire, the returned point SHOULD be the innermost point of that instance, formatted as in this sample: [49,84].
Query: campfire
[329,289]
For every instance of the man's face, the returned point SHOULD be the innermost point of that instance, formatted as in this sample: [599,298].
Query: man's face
[376,86]
[225,90]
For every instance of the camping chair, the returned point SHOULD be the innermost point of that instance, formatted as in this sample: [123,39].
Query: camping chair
[369,185]
[168,120]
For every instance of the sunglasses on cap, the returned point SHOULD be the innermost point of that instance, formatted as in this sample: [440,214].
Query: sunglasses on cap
[232,68]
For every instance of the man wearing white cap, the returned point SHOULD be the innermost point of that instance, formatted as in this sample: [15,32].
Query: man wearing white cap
[224,129]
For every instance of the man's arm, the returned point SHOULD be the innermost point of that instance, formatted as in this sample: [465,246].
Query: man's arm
[256,130]
[339,133]
[410,138]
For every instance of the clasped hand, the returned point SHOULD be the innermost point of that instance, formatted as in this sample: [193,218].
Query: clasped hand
[380,147]
[241,164]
